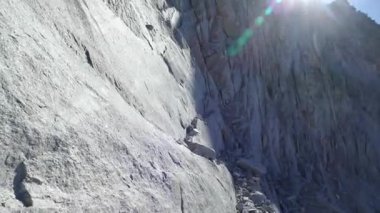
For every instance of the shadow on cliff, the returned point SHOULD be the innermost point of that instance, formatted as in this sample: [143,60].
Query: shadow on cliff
[286,120]
[205,93]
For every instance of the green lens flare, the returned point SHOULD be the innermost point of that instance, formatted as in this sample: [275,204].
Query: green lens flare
[268,11]
[259,21]
[242,41]
[238,45]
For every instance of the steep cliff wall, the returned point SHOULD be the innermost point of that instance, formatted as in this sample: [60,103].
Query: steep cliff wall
[91,112]
[299,91]
[97,98]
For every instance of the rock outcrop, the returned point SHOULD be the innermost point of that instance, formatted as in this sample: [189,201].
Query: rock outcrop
[93,97]
[98,100]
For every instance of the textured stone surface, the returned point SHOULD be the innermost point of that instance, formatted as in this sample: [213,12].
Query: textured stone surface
[251,166]
[93,97]
[96,94]
[301,97]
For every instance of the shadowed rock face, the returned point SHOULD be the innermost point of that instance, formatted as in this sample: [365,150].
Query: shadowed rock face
[301,97]
[96,94]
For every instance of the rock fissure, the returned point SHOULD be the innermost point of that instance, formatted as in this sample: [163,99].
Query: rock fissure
[182,201]
[19,188]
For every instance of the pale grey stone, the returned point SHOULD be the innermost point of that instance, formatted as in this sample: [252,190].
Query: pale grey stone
[94,95]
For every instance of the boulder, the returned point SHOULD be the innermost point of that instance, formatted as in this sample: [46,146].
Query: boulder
[258,197]
[202,150]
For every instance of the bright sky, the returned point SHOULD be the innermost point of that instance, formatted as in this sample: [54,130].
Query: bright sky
[370,7]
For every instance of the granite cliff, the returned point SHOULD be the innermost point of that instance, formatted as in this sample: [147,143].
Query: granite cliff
[188,106]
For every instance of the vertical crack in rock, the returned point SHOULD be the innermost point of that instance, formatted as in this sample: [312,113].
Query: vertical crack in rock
[182,202]
[19,188]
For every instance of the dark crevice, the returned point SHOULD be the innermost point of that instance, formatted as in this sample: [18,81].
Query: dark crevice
[221,184]
[88,57]
[150,45]
[19,188]
[182,202]
[168,65]
[149,27]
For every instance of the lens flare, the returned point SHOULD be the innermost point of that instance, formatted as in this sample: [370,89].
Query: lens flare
[238,45]
[259,21]
[268,11]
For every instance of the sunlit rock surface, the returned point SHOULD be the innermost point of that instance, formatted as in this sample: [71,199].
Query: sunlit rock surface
[93,98]
[97,97]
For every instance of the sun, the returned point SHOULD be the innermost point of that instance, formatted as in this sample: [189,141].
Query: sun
[310,1]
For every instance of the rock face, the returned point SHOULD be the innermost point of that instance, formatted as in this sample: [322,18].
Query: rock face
[299,92]
[251,166]
[93,97]
[96,94]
